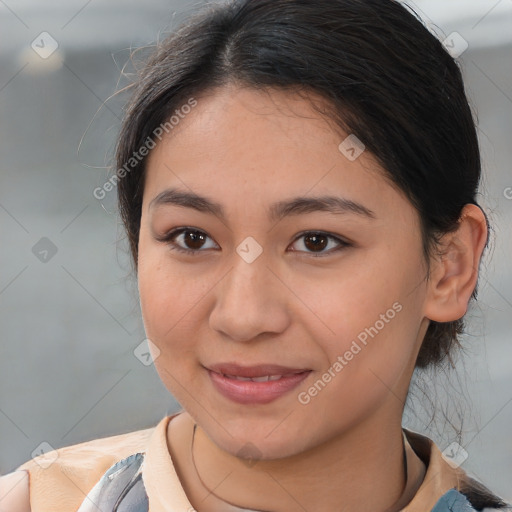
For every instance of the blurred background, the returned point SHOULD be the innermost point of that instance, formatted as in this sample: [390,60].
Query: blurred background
[71,338]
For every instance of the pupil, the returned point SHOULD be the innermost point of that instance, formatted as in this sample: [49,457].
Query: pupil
[193,237]
[318,241]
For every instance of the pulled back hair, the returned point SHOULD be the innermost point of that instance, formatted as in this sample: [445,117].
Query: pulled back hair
[386,79]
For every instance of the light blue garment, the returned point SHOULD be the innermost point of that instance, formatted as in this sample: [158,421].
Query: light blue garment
[453,501]
[120,489]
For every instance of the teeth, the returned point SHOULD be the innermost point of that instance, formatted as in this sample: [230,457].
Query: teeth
[265,378]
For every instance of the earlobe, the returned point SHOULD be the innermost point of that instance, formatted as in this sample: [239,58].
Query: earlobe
[455,271]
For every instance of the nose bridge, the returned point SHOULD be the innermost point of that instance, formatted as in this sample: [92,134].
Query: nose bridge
[247,299]
[247,284]
[249,278]
[249,270]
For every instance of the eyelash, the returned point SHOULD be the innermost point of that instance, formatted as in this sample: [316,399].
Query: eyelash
[168,238]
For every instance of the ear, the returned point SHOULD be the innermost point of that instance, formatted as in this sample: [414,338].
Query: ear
[454,273]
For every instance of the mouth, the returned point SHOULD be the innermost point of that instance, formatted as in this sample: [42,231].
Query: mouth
[257,384]
[257,373]
[263,378]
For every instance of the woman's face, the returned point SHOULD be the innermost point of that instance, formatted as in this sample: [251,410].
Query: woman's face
[333,291]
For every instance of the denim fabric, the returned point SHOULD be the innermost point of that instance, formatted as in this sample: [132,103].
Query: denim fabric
[120,489]
[453,501]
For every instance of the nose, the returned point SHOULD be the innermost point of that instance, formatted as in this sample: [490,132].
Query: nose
[250,301]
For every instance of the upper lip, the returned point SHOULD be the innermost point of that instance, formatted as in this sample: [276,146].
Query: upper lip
[259,370]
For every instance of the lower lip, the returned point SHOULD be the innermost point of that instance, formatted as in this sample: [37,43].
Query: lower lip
[250,392]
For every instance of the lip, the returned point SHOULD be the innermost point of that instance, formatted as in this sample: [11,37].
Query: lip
[251,392]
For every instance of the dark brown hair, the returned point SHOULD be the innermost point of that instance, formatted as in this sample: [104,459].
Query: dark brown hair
[387,80]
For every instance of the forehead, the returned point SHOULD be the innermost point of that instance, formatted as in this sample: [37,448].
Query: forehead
[259,146]
[237,119]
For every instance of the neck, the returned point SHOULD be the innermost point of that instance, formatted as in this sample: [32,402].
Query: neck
[334,476]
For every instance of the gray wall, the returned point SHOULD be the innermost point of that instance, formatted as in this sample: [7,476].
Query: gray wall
[69,325]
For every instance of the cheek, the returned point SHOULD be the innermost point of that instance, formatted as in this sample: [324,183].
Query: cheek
[167,303]
[173,298]
[167,307]
[162,294]
[369,298]
[370,322]
[165,290]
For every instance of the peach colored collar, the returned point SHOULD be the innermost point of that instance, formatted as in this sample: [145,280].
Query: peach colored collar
[163,485]
[161,481]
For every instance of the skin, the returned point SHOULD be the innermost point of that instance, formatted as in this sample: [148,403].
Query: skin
[248,149]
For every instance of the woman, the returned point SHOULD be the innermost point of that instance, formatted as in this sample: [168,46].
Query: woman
[297,180]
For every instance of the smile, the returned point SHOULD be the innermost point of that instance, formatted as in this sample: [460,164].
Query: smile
[259,384]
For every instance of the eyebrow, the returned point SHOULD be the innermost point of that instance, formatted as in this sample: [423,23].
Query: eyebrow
[277,211]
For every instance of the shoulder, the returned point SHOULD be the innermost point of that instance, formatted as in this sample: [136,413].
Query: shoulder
[60,479]
[456,501]
[90,453]
[14,492]
[481,498]
[465,492]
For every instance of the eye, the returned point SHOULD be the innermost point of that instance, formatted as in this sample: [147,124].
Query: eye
[316,241]
[193,238]
[193,241]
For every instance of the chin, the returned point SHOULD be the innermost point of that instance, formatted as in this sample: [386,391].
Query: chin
[258,440]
